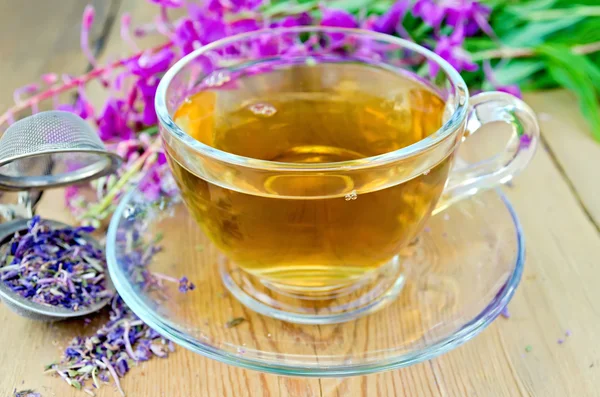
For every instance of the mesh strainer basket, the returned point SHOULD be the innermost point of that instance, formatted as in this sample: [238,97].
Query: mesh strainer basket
[51,149]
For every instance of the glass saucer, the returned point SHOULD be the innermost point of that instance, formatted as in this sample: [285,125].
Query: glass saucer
[459,275]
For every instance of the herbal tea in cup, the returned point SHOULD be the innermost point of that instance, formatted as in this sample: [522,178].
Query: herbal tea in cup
[310,171]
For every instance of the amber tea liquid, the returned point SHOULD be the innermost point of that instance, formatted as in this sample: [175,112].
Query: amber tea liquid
[312,114]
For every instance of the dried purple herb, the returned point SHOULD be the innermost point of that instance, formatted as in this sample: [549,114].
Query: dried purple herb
[55,266]
[26,393]
[185,285]
[111,351]
[124,340]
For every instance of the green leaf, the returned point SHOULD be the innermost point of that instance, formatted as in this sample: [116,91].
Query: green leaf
[76,384]
[572,71]
[517,70]
[559,13]
[285,8]
[48,367]
[381,6]
[522,8]
[534,33]
[567,3]
[354,5]
[475,44]
[542,82]
[583,32]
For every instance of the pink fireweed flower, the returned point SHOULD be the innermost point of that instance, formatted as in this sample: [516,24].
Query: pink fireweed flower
[112,122]
[211,29]
[81,107]
[450,48]
[490,76]
[86,25]
[243,26]
[147,88]
[50,78]
[302,19]
[430,11]
[524,141]
[469,13]
[150,64]
[338,18]
[512,89]
[233,6]
[127,147]
[162,23]
[28,89]
[125,32]
[388,22]
[169,3]
[186,36]
[266,45]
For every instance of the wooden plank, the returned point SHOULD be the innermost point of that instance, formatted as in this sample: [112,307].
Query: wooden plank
[558,293]
[38,37]
[571,145]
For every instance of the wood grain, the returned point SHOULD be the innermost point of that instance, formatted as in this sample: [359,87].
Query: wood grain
[558,291]
[568,139]
[38,37]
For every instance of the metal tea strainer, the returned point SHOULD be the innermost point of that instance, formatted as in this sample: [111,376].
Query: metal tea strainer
[47,150]
[52,149]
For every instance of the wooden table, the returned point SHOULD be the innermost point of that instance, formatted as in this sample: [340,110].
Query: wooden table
[557,199]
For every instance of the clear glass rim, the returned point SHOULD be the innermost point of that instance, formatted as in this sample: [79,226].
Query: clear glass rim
[172,331]
[459,98]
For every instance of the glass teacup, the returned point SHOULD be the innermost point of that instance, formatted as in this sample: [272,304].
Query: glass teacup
[311,156]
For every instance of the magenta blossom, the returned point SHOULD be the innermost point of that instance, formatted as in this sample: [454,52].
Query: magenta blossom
[338,18]
[112,123]
[524,141]
[243,26]
[186,37]
[148,90]
[211,29]
[490,76]
[150,183]
[468,13]
[450,48]
[302,19]
[168,3]
[388,22]
[157,179]
[149,64]
[430,11]
[82,107]
[208,24]
[266,46]
[512,89]
[240,5]
[222,6]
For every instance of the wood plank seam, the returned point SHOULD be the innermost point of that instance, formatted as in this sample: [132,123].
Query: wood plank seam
[546,146]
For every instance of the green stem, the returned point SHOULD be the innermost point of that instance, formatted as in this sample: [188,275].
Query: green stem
[126,177]
[150,130]
[510,53]
[545,15]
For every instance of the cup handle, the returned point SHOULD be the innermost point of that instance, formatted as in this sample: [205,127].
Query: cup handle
[486,108]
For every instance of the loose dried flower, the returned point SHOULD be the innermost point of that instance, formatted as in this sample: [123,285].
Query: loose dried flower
[55,267]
